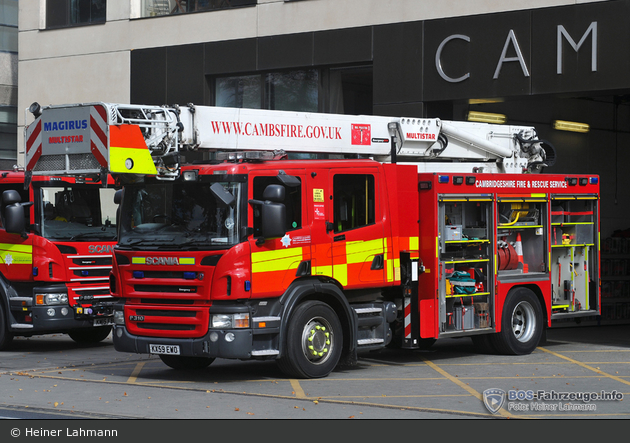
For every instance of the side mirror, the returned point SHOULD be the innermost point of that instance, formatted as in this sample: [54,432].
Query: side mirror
[273,212]
[274,220]
[14,219]
[118,196]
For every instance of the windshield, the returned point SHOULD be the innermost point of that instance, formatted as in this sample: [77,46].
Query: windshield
[77,212]
[176,215]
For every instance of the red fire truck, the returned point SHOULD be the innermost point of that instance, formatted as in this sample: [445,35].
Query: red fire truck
[56,244]
[309,238]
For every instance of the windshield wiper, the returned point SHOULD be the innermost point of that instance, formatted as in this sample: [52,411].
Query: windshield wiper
[97,235]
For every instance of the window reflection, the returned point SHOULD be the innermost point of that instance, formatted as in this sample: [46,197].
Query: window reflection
[152,8]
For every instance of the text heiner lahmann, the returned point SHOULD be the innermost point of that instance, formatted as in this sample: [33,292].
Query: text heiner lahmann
[33,432]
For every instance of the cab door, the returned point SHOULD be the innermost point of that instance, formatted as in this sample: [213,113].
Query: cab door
[276,262]
[356,227]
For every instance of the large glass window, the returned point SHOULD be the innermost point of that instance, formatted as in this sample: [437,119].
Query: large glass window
[74,212]
[287,91]
[292,203]
[152,8]
[353,201]
[8,132]
[63,13]
[181,214]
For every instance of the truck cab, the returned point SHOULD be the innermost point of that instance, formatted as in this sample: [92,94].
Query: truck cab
[57,238]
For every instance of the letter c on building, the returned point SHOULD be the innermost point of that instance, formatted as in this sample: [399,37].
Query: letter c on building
[438,56]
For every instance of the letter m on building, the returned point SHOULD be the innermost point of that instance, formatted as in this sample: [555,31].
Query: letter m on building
[562,32]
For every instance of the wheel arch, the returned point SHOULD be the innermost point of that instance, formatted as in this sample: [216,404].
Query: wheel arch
[541,299]
[325,291]
[535,289]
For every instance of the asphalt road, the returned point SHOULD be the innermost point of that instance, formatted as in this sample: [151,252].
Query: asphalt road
[51,377]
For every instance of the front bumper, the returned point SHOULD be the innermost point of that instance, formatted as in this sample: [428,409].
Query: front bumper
[206,346]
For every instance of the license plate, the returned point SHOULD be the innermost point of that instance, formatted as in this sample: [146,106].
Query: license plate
[164,349]
[103,321]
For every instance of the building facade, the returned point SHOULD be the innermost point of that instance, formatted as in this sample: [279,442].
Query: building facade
[532,61]
[8,79]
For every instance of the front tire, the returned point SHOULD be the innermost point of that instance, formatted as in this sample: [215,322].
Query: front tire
[521,324]
[182,363]
[90,336]
[314,341]
[6,336]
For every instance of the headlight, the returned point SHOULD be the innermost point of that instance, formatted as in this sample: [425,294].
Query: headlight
[51,299]
[230,321]
[119,317]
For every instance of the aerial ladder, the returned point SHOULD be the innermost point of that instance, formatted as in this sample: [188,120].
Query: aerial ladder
[93,139]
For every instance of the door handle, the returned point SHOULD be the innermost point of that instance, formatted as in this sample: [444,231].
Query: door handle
[378,262]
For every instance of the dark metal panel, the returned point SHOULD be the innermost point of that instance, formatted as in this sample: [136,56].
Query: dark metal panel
[415,109]
[230,57]
[184,74]
[612,49]
[398,63]
[472,62]
[148,76]
[285,51]
[342,46]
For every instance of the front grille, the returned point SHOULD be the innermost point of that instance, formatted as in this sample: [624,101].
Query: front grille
[92,273]
[159,301]
[164,313]
[158,327]
[92,261]
[176,322]
[167,289]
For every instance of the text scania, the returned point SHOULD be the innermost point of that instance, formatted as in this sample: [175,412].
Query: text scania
[277,130]
[161,261]
[65,125]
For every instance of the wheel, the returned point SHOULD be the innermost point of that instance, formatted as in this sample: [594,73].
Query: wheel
[86,336]
[6,336]
[314,341]
[182,363]
[483,344]
[521,324]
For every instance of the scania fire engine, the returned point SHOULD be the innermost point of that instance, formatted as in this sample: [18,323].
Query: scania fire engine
[308,238]
[57,236]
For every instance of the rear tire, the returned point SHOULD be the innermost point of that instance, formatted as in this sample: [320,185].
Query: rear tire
[182,363]
[314,341]
[6,336]
[90,336]
[521,324]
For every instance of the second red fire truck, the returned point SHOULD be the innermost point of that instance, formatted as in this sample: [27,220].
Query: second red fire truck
[309,238]
[57,236]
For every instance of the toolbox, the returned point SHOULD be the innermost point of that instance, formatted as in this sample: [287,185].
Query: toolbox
[464,317]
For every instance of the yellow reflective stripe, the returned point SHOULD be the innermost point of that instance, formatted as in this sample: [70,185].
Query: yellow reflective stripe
[340,273]
[279,260]
[141,158]
[138,260]
[187,261]
[414,243]
[322,270]
[361,251]
[16,254]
